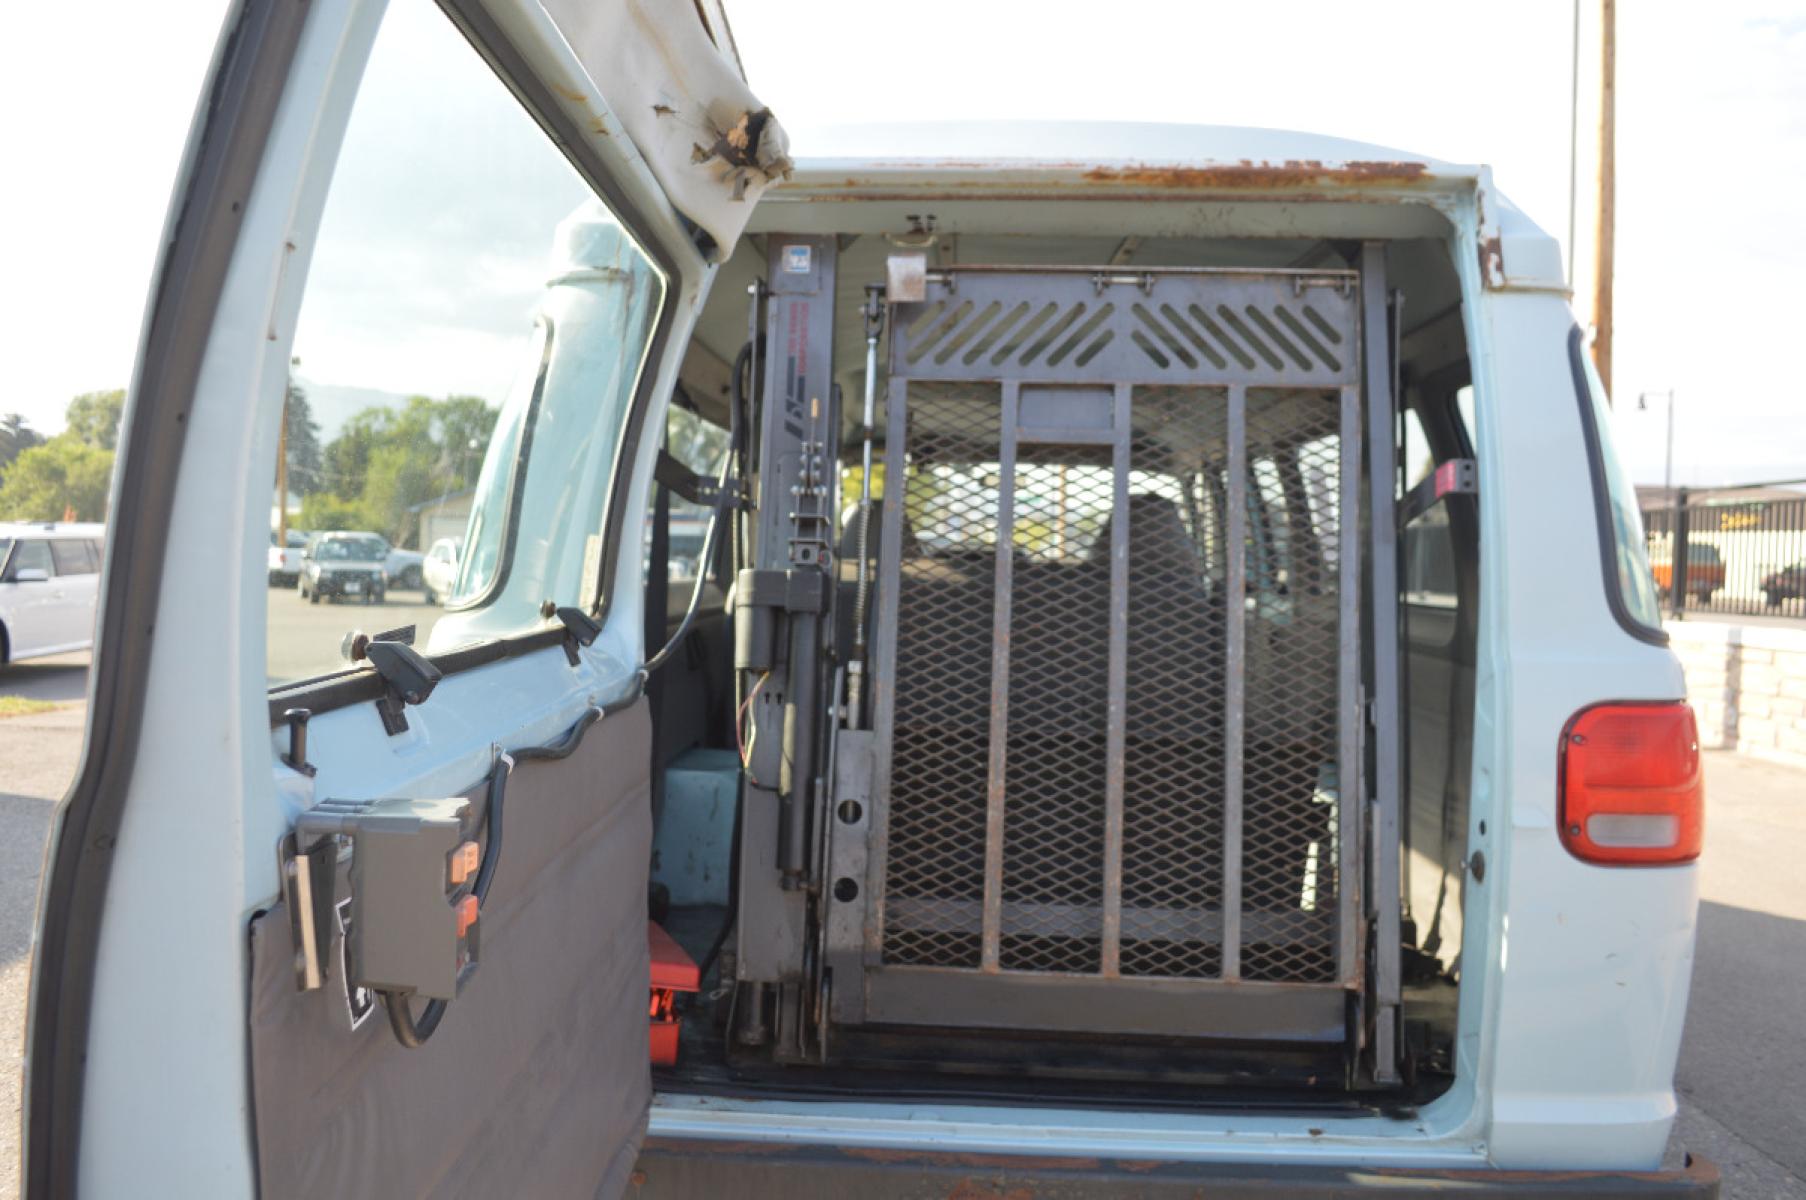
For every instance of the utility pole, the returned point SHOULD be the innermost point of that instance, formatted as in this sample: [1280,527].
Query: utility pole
[1606,216]
[288,389]
[282,476]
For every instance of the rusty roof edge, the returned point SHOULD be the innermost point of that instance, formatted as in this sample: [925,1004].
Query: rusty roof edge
[850,177]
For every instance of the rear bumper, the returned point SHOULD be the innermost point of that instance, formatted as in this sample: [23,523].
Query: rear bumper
[673,1168]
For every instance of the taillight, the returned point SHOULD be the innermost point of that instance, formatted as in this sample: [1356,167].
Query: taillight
[1632,793]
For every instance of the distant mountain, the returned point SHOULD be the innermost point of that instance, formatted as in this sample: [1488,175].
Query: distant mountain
[333,405]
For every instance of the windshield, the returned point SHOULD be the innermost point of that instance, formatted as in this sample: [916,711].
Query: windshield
[349,550]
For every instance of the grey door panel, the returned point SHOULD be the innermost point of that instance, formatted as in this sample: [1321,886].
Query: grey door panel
[536,1083]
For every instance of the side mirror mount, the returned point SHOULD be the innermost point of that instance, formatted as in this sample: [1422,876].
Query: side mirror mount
[31,575]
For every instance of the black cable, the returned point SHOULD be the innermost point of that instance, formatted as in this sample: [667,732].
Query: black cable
[723,501]
[733,898]
[737,425]
[413,1033]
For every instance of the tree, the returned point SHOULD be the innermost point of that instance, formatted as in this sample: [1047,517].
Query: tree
[64,475]
[93,418]
[323,510]
[16,437]
[348,455]
[387,461]
[306,466]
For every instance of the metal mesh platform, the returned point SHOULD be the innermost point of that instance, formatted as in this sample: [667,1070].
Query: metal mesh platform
[1118,642]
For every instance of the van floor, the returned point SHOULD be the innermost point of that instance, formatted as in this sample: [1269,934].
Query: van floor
[992,1067]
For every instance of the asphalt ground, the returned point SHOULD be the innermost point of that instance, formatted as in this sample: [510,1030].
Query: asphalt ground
[305,638]
[1742,1074]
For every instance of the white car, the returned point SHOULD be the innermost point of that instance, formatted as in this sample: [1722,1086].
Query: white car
[49,581]
[285,559]
[439,573]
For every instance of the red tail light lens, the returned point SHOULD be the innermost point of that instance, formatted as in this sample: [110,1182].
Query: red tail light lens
[1632,793]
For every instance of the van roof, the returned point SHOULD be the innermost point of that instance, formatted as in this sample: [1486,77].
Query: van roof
[1129,162]
[1118,153]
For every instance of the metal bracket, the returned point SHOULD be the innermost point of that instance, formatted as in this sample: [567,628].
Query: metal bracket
[408,676]
[697,489]
[1456,477]
[296,754]
[580,629]
[308,881]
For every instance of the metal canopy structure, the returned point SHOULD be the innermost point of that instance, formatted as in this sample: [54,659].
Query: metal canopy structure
[1116,780]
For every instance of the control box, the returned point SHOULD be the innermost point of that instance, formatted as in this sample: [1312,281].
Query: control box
[414,910]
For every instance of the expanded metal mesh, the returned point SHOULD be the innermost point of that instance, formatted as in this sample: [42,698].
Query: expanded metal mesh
[1172,879]
[1056,758]
[941,733]
[1113,662]
[1289,785]
[1054,769]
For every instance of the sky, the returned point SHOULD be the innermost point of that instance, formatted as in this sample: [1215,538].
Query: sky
[1711,163]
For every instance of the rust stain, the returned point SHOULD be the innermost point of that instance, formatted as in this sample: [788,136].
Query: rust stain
[1492,261]
[943,1158]
[598,126]
[1248,174]
[1140,1165]
[663,110]
[569,93]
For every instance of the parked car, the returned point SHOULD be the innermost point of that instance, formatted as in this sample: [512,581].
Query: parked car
[285,560]
[402,568]
[49,584]
[1789,583]
[439,574]
[1113,835]
[343,566]
[1705,570]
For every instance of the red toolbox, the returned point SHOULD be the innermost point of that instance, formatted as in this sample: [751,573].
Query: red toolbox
[673,971]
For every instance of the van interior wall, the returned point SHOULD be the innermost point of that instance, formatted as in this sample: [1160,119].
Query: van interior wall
[694,697]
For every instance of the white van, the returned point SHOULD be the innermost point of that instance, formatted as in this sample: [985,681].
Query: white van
[49,580]
[1172,701]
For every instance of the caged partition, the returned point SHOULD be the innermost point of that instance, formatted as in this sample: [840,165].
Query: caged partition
[1116,778]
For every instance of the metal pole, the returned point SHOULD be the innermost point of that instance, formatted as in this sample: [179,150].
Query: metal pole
[1235,613]
[874,324]
[1668,460]
[1382,475]
[1606,215]
[1573,138]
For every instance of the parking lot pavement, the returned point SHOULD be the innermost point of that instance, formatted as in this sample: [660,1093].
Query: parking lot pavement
[1742,1074]
[304,638]
[38,754]
[58,679]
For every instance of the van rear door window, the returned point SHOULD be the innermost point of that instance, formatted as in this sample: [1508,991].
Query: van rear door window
[471,333]
[1629,584]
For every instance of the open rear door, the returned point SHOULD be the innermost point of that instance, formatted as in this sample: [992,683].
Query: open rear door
[242,983]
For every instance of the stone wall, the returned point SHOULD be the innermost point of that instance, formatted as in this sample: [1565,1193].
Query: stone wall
[1748,684]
